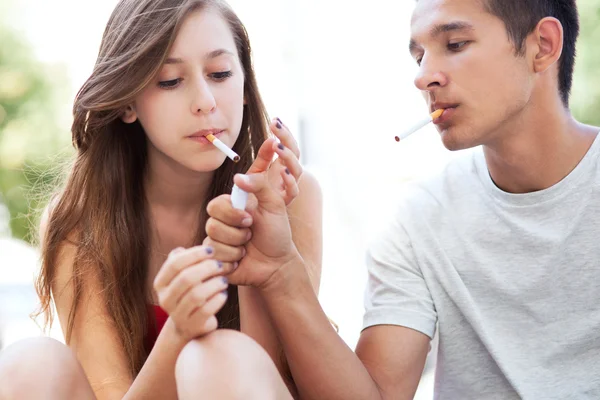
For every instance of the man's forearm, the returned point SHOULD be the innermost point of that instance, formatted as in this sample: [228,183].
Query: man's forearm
[322,365]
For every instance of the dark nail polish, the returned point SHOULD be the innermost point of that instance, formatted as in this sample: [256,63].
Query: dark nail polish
[281,147]
[225,280]
[278,125]
[279,120]
[220,264]
[287,171]
[209,250]
[225,292]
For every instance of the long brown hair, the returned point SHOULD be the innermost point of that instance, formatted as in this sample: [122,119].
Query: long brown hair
[102,204]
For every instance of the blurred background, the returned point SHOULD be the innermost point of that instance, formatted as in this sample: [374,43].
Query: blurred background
[337,72]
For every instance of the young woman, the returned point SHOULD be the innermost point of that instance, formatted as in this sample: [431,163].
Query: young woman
[139,288]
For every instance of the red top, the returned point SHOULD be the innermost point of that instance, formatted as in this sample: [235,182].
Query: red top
[160,316]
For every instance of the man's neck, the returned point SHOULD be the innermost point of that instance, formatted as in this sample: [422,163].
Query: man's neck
[537,149]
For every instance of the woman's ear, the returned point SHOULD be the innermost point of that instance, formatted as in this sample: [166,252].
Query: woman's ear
[129,116]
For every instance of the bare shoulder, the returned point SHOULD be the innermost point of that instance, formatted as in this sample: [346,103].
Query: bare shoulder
[93,335]
[309,195]
[306,209]
[306,221]
[63,253]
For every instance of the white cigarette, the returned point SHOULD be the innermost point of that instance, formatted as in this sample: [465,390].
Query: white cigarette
[432,117]
[221,146]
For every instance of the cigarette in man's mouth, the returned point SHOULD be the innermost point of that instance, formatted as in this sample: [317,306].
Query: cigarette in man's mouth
[432,117]
[223,147]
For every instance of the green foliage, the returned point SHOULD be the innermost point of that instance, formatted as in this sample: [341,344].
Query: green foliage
[30,131]
[585,100]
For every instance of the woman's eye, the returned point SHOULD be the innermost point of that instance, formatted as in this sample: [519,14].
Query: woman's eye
[169,84]
[221,76]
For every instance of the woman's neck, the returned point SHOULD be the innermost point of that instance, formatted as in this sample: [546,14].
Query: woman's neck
[171,186]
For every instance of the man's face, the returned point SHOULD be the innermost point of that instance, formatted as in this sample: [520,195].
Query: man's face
[468,65]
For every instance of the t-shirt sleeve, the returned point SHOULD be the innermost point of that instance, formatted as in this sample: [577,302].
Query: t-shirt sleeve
[396,292]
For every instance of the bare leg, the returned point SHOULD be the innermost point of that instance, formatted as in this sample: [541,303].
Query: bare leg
[229,365]
[42,368]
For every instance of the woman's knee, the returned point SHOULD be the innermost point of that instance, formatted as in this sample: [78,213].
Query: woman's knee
[227,363]
[41,367]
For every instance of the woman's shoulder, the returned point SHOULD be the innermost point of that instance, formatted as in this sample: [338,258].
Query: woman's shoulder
[67,244]
[309,188]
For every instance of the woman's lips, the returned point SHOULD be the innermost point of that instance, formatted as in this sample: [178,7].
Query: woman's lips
[201,136]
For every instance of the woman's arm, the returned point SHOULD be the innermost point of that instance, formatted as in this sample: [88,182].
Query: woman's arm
[96,344]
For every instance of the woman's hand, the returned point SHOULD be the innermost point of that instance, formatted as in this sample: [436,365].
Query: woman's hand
[286,167]
[191,288]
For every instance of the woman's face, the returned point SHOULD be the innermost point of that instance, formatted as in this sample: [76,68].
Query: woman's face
[199,90]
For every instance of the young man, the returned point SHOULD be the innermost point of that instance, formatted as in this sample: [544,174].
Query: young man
[501,250]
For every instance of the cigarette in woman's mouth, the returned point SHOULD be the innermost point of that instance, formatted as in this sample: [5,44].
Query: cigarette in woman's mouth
[223,147]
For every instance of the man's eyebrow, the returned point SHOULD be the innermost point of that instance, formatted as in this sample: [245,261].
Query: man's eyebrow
[437,30]
[452,26]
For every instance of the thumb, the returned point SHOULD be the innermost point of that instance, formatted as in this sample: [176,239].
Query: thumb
[263,158]
[259,185]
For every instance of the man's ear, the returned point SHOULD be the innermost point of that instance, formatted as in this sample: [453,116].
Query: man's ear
[549,43]
[129,116]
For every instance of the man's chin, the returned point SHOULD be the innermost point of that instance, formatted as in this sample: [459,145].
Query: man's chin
[454,140]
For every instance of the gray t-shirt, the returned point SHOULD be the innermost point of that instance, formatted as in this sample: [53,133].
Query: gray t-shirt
[513,281]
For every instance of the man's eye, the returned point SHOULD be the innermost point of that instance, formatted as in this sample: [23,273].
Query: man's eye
[457,46]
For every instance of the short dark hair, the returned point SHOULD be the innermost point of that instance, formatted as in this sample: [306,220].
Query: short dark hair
[522,16]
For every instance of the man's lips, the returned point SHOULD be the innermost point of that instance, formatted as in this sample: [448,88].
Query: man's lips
[449,110]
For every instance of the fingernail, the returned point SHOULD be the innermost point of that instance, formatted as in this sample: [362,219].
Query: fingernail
[235,265]
[225,292]
[280,147]
[247,222]
[248,235]
[287,171]
[243,251]
[279,120]
[220,264]
[278,125]
[209,250]
[225,280]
